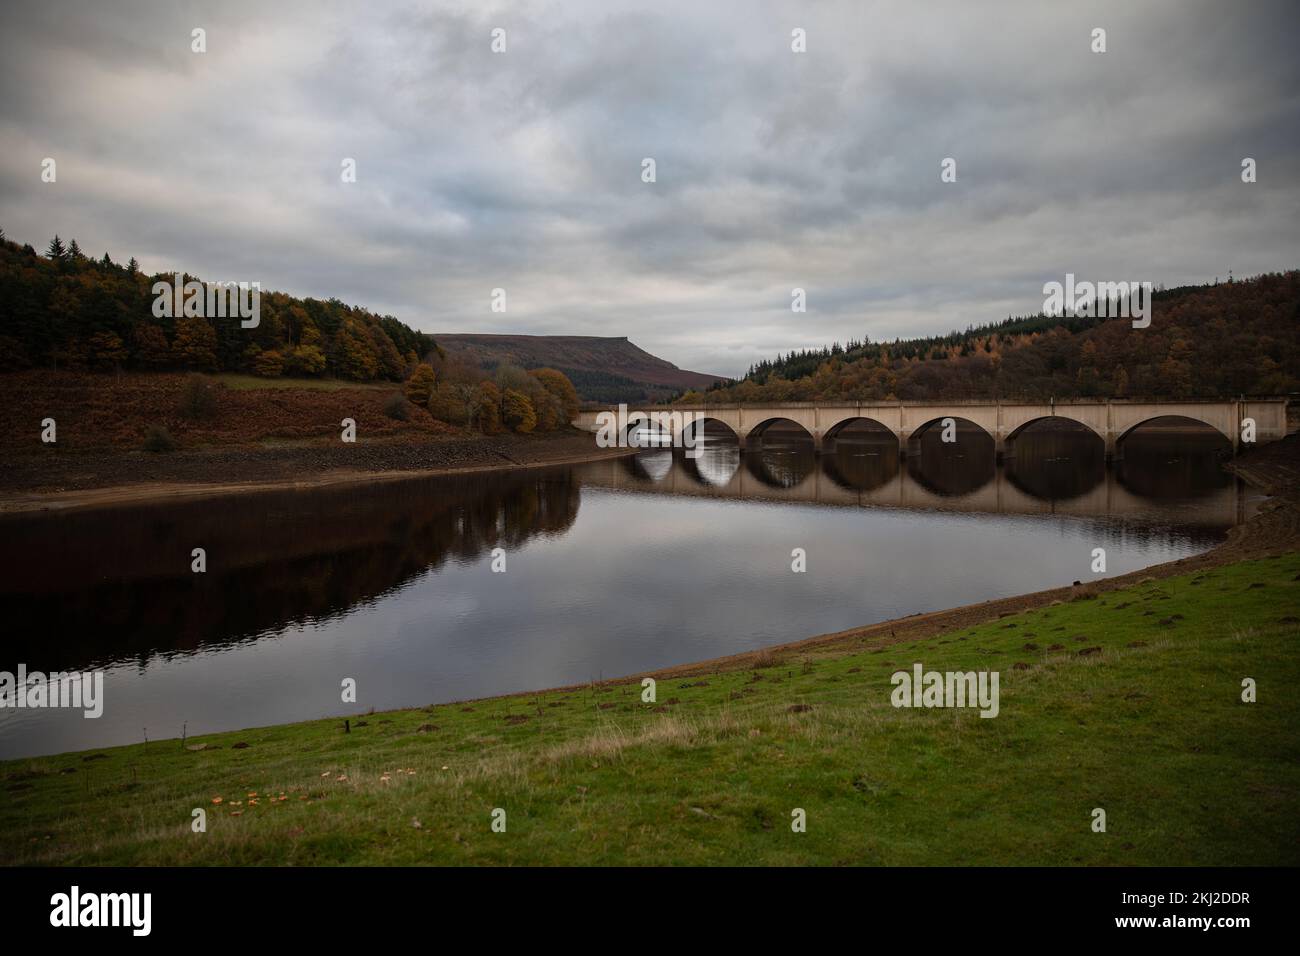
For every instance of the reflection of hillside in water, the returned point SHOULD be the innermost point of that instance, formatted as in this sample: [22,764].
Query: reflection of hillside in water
[1057,465]
[1186,466]
[780,460]
[274,560]
[952,469]
[861,462]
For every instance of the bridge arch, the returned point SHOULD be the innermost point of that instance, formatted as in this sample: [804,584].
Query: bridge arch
[918,433]
[874,425]
[1082,426]
[757,431]
[643,431]
[1176,420]
[709,423]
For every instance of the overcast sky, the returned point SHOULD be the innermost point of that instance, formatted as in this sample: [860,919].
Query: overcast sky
[522,170]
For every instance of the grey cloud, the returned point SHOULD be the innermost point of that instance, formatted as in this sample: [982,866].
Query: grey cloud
[522,170]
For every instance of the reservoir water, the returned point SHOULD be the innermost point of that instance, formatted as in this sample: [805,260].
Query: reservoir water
[610,568]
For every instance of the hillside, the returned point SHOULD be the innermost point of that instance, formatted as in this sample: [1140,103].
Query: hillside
[1229,338]
[604,369]
[68,310]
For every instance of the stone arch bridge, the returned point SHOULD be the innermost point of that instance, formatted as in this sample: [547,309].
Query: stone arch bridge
[1111,419]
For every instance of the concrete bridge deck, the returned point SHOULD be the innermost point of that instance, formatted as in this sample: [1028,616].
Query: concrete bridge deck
[1110,419]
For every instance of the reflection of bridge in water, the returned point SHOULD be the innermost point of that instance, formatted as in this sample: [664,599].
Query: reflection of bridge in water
[1001,492]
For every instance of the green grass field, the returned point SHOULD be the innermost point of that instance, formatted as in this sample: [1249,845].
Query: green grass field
[1151,728]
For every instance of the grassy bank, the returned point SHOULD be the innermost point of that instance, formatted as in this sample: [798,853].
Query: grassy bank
[1129,701]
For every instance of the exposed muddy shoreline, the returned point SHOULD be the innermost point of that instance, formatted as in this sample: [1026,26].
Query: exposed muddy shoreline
[283,470]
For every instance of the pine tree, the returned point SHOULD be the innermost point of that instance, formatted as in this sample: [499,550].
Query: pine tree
[133,267]
[74,251]
[56,252]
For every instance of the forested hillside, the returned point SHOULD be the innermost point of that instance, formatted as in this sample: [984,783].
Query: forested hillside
[1230,338]
[67,310]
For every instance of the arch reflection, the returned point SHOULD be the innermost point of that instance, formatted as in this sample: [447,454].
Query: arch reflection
[860,458]
[1056,459]
[1173,456]
[781,454]
[951,468]
[651,465]
[718,454]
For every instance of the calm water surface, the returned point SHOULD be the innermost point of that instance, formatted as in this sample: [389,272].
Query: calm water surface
[612,567]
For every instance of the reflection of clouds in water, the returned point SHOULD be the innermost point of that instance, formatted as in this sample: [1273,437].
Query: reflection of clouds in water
[780,460]
[654,465]
[717,461]
[625,583]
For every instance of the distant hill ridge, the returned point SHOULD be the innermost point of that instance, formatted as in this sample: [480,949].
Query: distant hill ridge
[602,368]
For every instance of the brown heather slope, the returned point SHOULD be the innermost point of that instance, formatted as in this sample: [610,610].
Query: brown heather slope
[107,412]
[256,437]
[602,368]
